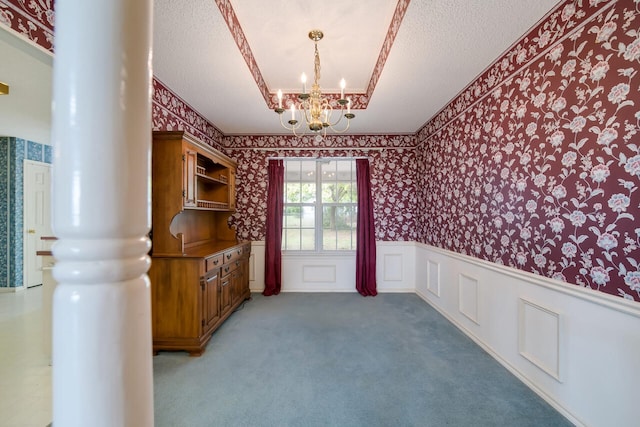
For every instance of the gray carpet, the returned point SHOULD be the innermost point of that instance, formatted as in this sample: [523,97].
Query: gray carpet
[341,360]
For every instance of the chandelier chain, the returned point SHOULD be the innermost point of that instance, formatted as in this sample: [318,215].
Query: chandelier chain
[317,66]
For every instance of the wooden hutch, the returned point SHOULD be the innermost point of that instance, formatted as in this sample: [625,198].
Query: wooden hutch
[199,271]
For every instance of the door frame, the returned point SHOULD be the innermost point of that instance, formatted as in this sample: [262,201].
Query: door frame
[25,186]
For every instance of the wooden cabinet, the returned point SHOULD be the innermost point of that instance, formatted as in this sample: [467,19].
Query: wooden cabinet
[199,271]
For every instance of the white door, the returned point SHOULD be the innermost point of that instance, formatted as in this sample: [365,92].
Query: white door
[37,217]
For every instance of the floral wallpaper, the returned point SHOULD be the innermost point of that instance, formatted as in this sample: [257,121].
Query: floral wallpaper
[392,177]
[170,112]
[536,165]
[33,19]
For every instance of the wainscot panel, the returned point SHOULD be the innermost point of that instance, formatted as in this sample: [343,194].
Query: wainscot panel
[577,348]
[298,270]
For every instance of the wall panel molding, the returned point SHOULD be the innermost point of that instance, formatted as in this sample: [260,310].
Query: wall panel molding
[539,337]
[576,348]
[433,277]
[468,297]
[392,267]
[319,273]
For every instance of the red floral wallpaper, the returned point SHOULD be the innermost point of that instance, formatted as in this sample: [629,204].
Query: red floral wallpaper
[33,19]
[170,112]
[393,184]
[536,165]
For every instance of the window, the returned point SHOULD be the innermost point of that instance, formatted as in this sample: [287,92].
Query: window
[320,205]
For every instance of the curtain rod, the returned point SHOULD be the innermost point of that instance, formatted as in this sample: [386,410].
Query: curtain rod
[321,149]
[318,158]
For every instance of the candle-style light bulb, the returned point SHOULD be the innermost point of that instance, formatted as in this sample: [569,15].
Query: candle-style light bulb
[348,105]
[279,98]
[343,84]
[303,78]
[293,111]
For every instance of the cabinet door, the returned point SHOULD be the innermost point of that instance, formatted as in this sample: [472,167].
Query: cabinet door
[225,293]
[190,161]
[235,287]
[212,301]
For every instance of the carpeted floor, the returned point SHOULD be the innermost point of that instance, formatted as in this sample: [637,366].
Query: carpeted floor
[341,360]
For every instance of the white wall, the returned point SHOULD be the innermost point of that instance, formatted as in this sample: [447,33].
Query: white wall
[26,111]
[577,348]
[336,273]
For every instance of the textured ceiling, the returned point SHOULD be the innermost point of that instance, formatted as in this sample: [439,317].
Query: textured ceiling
[440,47]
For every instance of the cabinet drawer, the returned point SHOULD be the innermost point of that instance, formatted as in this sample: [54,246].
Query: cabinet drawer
[229,267]
[232,255]
[213,262]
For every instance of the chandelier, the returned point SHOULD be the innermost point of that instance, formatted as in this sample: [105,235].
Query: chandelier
[316,111]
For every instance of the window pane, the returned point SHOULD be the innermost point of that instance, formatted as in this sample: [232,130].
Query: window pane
[308,192]
[292,192]
[291,240]
[307,171]
[329,238]
[344,192]
[292,171]
[292,216]
[329,192]
[308,217]
[338,227]
[308,240]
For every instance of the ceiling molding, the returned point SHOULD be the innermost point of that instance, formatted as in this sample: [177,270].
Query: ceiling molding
[359,101]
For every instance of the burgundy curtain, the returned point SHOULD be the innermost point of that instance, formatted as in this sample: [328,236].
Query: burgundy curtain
[273,241]
[366,235]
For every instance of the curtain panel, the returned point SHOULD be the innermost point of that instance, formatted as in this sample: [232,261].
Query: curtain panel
[273,239]
[366,234]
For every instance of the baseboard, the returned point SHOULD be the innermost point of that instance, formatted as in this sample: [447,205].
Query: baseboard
[12,290]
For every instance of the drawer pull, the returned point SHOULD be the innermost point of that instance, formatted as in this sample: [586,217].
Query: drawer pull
[226,269]
[225,283]
[212,278]
[229,256]
[215,261]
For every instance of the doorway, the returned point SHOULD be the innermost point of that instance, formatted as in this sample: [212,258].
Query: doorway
[37,218]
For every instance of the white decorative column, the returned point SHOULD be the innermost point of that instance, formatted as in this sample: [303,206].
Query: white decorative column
[102,368]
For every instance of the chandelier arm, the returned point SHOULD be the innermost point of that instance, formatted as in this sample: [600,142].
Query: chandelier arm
[337,122]
[340,131]
[291,127]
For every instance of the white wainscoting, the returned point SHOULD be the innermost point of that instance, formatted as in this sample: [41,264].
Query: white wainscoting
[577,348]
[395,270]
